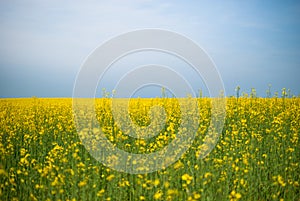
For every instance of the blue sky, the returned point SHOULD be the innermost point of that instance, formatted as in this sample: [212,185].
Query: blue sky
[44,43]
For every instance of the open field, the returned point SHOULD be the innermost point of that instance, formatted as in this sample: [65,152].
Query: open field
[256,157]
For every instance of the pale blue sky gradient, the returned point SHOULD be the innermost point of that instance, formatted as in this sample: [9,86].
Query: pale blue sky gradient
[43,43]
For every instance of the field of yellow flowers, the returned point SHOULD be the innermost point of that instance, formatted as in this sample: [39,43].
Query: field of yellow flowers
[256,158]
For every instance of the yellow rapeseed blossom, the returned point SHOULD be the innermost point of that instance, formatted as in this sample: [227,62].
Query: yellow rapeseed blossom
[158,195]
[187,178]
[178,165]
[82,183]
[110,177]
[234,195]
[100,193]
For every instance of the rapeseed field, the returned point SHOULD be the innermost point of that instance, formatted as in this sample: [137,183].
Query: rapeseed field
[256,156]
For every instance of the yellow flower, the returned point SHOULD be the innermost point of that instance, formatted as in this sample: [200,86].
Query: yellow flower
[32,197]
[156,182]
[55,182]
[82,183]
[158,195]
[281,181]
[172,192]
[100,193]
[207,174]
[187,178]
[178,165]
[166,184]
[197,196]
[123,183]
[234,195]
[110,177]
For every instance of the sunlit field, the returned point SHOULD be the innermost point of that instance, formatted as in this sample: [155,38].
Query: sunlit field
[256,157]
